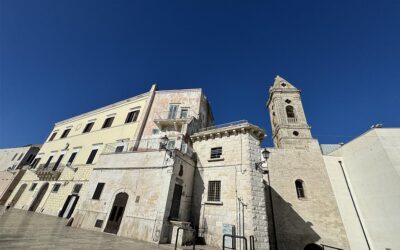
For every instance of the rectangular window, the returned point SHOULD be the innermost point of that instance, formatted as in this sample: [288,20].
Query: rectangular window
[35,162]
[171,144]
[33,186]
[108,122]
[173,110]
[91,156]
[156,131]
[88,127]
[65,133]
[52,136]
[214,191]
[97,192]
[20,156]
[216,153]
[184,113]
[56,187]
[132,116]
[71,158]
[119,149]
[58,162]
[29,159]
[48,162]
[77,188]
[14,156]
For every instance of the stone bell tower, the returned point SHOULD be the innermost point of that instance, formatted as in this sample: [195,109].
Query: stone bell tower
[289,124]
[301,206]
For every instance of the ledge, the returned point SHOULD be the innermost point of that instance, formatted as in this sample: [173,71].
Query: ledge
[216,159]
[217,203]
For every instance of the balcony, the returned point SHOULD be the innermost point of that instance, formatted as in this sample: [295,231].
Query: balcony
[49,172]
[291,120]
[177,119]
[146,145]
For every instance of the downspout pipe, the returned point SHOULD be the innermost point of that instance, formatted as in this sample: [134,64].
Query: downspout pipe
[354,205]
[272,210]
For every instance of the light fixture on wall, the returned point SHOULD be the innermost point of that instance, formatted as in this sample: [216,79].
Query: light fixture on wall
[265,154]
[164,144]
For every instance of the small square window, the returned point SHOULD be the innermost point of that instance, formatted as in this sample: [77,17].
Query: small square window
[108,122]
[119,149]
[33,186]
[216,153]
[65,133]
[56,187]
[214,191]
[156,131]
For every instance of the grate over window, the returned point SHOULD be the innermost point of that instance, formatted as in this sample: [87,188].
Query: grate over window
[300,189]
[214,191]
[216,153]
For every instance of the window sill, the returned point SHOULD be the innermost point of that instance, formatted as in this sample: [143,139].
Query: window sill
[217,203]
[215,159]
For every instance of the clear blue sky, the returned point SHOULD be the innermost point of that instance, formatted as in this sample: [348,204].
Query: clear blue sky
[63,58]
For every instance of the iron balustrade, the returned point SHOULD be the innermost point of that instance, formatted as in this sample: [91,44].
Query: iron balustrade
[231,124]
[234,237]
[292,120]
[193,237]
[178,115]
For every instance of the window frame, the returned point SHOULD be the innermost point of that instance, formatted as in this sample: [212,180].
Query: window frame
[65,133]
[33,186]
[300,190]
[92,155]
[88,127]
[58,185]
[98,191]
[52,136]
[132,116]
[216,155]
[214,193]
[108,122]
[76,185]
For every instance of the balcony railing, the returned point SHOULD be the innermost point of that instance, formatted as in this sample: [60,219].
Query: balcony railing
[292,120]
[49,172]
[231,124]
[178,115]
[144,146]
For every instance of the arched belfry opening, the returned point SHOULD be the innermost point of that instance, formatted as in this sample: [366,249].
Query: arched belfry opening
[290,114]
[116,214]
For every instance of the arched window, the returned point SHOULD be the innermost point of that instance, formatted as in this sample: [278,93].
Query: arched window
[290,111]
[300,189]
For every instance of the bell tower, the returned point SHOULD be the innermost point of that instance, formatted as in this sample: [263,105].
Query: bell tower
[288,121]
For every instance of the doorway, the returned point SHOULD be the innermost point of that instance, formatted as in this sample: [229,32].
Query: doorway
[69,206]
[117,212]
[39,197]
[18,195]
[176,202]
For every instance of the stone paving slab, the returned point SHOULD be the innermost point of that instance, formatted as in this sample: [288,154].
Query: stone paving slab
[21,229]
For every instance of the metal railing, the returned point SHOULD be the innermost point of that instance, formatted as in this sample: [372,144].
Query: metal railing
[193,237]
[234,237]
[50,168]
[231,124]
[178,115]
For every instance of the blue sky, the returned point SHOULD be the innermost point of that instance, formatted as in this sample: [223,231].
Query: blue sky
[63,58]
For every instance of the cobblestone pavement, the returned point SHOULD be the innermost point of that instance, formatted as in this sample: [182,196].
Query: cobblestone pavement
[21,229]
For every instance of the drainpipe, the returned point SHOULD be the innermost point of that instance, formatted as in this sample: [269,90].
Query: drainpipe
[272,210]
[354,205]
[139,132]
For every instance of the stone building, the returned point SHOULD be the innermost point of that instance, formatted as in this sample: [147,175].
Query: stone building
[228,187]
[142,189]
[301,203]
[13,162]
[365,175]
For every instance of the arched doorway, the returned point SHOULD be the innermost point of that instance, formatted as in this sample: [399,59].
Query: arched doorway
[69,206]
[39,197]
[17,195]
[116,214]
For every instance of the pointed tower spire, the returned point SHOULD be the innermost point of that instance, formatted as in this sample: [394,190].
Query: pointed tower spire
[281,83]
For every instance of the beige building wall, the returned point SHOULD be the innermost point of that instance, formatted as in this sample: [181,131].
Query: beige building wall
[371,166]
[242,201]
[83,143]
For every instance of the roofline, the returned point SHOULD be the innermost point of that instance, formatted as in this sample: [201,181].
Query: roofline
[74,118]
